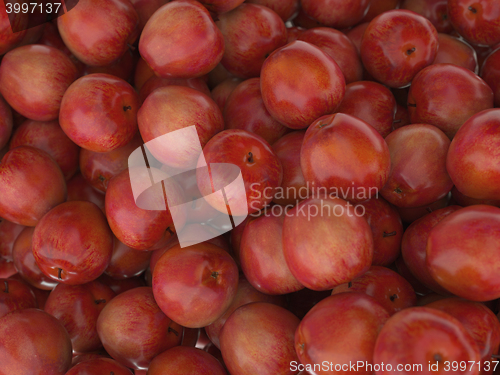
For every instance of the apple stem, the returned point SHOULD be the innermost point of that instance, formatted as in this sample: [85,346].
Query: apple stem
[437,357]
[98,301]
[390,234]
[6,286]
[170,230]
[131,47]
[59,274]
[496,356]
[126,108]
[393,297]
[170,329]
[250,157]
[215,274]
[410,51]
[398,190]
[349,284]
[472,9]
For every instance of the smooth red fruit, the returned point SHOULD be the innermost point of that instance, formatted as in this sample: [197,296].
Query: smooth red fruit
[80,190]
[455,51]
[31,183]
[195,44]
[99,365]
[101,45]
[474,156]
[133,329]
[446,95]
[316,233]
[452,255]
[490,72]
[195,285]
[185,360]
[221,92]
[299,83]
[127,262]
[338,14]
[121,68]
[345,156]
[72,243]
[33,342]
[50,71]
[145,9]
[258,338]
[49,137]
[355,34]
[409,215]
[396,45]
[418,166]
[283,8]
[15,295]
[359,318]
[155,82]
[464,200]
[436,338]
[8,234]
[378,7]
[434,10]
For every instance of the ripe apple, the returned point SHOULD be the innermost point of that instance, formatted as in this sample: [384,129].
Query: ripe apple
[337,14]
[99,365]
[15,295]
[155,82]
[80,190]
[434,10]
[126,262]
[8,234]
[456,51]
[221,92]
[283,8]
[490,72]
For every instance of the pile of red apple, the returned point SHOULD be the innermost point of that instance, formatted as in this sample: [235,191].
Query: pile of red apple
[367,133]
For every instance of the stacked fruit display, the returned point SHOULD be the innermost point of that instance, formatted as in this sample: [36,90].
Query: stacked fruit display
[366,134]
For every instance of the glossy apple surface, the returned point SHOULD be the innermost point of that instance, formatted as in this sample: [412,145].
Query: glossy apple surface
[473,156]
[15,295]
[145,9]
[134,330]
[155,82]
[434,10]
[283,8]
[99,365]
[435,336]
[315,234]
[344,155]
[360,319]
[446,95]
[452,255]
[50,71]
[418,166]
[259,338]
[185,360]
[299,83]
[33,342]
[101,45]
[490,72]
[80,190]
[396,45]
[197,44]
[31,183]
[73,243]
[126,262]
[337,14]
[453,50]
[8,234]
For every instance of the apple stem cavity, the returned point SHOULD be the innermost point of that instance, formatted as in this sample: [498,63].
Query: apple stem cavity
[398,190]
[126,108]
[6,290]
[250,157]
[472,9]
[170,329]
[215,274]
[410,51]
[390,234]
[393,297]
[437,357]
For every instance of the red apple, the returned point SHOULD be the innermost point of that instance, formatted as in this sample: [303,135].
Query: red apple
[183,360]
[195,285]
[15,295]
[72,243]
[196,45]
[299,83]
[127,262]
[338,14]
[121,68]
[101,45]
[456,51]
[156,82]
[145,9]
[283,8]
[490,72]
[7,268]
[464,200]
[50,71]
[355,34]
[409,215]
[221,6]
[99,365]
[80,190]
[31,183]
[8,234]
[434,10]
[378,7]
[133,329]
[398,44]
[221,92]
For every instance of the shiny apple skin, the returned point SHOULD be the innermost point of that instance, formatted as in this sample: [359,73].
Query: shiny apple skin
[418,166]
[474,154]
[133,329]
[251,32]
[387,230]
[339,47]
[7,268]
[244,109]
[49,137]
[337,14]
[121,68]
[452,255]
[371,102]
[98,168]
[50,71]
[127,262]
[390,289]
[283,8]
[8,234]
[134,226]
[221,92]
[145,9]
[478,320]
[358,152]
[413,246]
[33,342]
[221,6]
[355,34]
[172,108]
[378,7]
[182,360]
[433,334]
[15,295]
[245,294]
[80,190]
[25,263]
[478,22]
[299,83]
[360,319]
[409,215]
[6,122]
[490,73]
[31,183]
[199,44]
[397,45]
[455,51]
[99,366]
[259,338]
[446,95]
[262,259]
[156,82]
[101,45]
[434,10]
[261,169]
[99,112]
[73,243]
[195,285]
[77,307]
[314,246]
